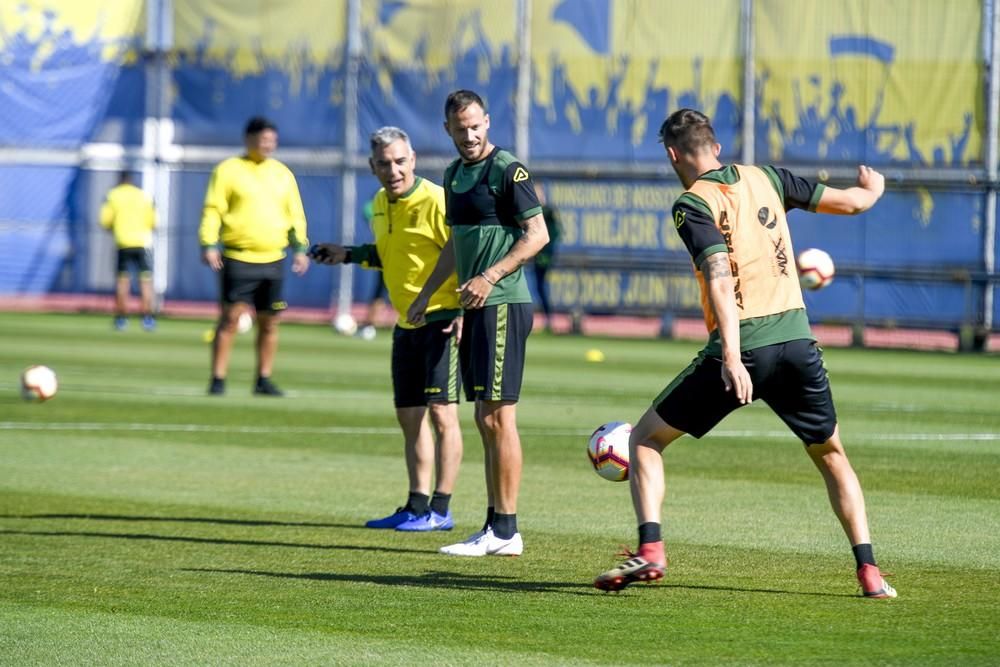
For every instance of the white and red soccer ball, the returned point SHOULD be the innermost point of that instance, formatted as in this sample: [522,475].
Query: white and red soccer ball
[608,450]
[38,383]
[816,269]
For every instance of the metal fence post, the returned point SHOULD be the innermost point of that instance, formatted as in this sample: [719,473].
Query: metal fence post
[349,189]
[748,151]
[158,134]
[991,42]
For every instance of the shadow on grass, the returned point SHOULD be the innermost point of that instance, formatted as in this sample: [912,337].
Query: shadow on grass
[458,581]
[449,580]
[183,519]
[209,540]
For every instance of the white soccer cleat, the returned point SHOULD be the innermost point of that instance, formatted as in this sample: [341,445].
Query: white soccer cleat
[486,543]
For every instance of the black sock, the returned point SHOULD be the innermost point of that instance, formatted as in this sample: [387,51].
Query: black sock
[417,503]
[863,554]
[504,525]
[649,532]
[439,503]
[490,513]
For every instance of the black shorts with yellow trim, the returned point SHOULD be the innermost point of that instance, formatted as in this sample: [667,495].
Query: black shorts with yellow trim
[425,364]
[492,350]
[256,284]
[790,377]
[134,259]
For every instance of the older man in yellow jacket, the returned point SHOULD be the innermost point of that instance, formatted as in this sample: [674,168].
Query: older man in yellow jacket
[409,226]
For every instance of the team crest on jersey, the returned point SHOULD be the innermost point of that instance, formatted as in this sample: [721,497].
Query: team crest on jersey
[762,216]
[679,218]
[520,174]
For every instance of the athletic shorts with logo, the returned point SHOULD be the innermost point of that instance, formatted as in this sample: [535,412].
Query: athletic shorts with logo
[136,259]
[790,377]
[257,284]
[425,364]
[492,350]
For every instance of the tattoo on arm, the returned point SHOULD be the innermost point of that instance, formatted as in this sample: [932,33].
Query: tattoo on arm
[716,266]
[532,227]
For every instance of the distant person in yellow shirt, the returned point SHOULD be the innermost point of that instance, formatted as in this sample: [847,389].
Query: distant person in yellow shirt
[254,211]
[409,227]
[128,212]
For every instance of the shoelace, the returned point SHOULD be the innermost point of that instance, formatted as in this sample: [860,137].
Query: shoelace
[625,552]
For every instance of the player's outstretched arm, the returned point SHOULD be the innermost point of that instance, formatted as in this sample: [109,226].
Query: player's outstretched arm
[328,253]
[856,199]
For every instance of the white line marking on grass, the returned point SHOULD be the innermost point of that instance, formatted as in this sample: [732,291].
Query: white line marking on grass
[381,430]
[194,428]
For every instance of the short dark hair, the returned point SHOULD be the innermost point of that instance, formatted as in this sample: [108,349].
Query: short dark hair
[124,176]
[688,130]
[258,124]
[459,100]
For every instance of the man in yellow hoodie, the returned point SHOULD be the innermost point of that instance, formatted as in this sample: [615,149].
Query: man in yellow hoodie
[128,212]
[253,209]
[410,230]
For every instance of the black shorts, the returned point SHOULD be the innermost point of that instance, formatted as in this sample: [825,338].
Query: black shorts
[492,350]
[790,377]
[257,284]
[425,365]
[136,259]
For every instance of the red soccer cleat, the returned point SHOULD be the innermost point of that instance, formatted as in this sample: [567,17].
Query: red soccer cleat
[636,568]
[872,584]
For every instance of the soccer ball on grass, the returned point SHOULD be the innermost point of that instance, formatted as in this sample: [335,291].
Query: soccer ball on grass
[608,450]
[345,324]
[815,269]
[38,383]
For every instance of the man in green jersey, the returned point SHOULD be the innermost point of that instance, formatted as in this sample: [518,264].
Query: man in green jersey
[497,226]
[732,221]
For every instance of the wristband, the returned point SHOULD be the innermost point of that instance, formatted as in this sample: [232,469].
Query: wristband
[484,277]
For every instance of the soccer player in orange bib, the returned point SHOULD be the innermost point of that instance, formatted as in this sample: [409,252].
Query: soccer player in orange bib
[732,221]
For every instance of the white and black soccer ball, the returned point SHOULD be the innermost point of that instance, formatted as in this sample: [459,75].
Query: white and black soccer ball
[608,450]
[345,324]
[38,383]
[816,269]
[244,323]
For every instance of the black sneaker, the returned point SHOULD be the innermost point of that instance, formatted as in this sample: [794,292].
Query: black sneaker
[217,387]
[267,388]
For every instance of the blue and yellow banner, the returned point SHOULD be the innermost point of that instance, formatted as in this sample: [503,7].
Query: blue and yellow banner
[890,82]
[234,59]
[60,62]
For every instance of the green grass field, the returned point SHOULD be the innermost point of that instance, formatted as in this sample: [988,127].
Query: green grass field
[142,522]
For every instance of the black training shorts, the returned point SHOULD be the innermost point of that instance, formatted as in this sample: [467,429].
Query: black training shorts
[425,365]
[790,377]
[492,350]
[257,284]
[135,259]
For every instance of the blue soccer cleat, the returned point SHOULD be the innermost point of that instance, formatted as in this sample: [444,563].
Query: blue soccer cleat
[429,520]
[401,515]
